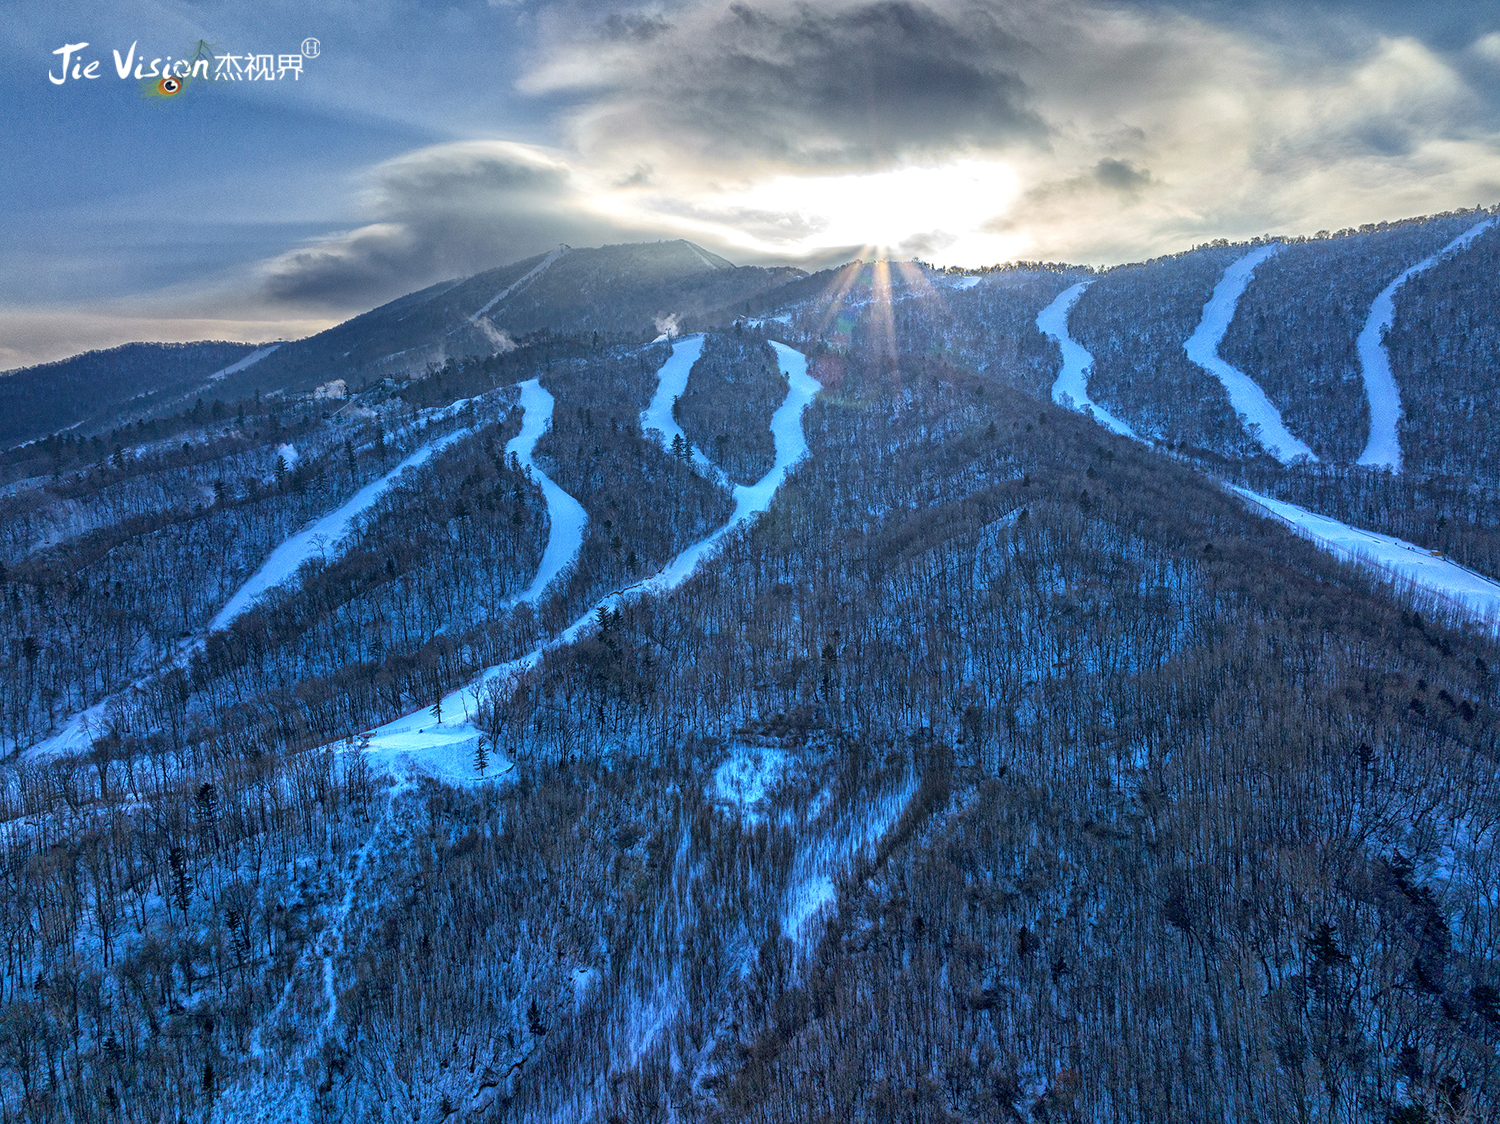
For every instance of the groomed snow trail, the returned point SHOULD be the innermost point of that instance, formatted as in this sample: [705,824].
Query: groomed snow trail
[1071,390]
[565,515]
[325,533]
[1383,448]
[671,382]
[1262,419]
[418,743]
[248,361]
[1456,586]
[540,268]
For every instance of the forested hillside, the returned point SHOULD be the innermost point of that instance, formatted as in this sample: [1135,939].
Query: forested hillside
[853,733]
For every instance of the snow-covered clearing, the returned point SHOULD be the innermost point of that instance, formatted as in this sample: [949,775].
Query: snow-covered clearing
[961,283]
[248,361]
[323,535]
[1408,564]
[854,836]
[1071,389]
[1261,418]
[1383,448]
[540,268]
[750,774]
[705,259]
[419,743]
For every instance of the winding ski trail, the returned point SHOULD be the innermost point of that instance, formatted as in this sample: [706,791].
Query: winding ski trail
[418,743]
[1260,417]
[671,383]
[1071,390]
[1383,447]
[565,515]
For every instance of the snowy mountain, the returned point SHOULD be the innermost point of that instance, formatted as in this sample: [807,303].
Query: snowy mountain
[895,694]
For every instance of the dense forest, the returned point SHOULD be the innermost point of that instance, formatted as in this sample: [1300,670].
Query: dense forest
[1001,769]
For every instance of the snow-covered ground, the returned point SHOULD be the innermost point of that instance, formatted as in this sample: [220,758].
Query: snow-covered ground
[750,774]
[962,283]
[1383,448]
[1461,588]
[248,361]
[323,536]
[1262,419]
[540,268]
[1071,389]
[419,743]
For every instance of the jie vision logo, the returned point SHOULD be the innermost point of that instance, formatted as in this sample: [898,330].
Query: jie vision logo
[166,77]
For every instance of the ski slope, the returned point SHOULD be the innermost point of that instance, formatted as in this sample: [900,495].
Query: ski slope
[1071,390]
[320,536]
[540,268]
[1472,594]
[248,361]
[1261,418]
[1383,447]
[419,743]
[565,515]
[671,383]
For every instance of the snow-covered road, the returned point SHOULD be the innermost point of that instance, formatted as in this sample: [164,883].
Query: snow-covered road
[1071,390]
[1261,417]
[1383,448]
[418,743]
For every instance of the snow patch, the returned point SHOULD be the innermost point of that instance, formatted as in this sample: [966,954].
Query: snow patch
[1071,390]
[1260,417]
[1383,448]
[751,773]
[959,284]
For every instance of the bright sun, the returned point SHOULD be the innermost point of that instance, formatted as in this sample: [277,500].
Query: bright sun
[941,211]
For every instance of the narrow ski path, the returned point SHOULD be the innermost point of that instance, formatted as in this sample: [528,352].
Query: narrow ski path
[1071,390]
[515,286]
[1383,447]
[1260,417]
[671,382]
[565,515]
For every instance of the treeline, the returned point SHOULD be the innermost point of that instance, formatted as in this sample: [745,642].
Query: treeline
[85,388]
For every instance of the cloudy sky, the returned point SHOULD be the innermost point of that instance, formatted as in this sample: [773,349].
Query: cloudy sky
[430,139]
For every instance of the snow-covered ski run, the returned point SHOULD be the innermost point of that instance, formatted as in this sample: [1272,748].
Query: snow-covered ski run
[1407,564]
[418,743]
[671,382]
[322,535]
[1383,447]
[515,286]
[1260,417]
[1471,594]
[1071,389]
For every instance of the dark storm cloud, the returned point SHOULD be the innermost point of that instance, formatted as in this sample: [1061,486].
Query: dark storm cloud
[1121,175]
[856,85]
